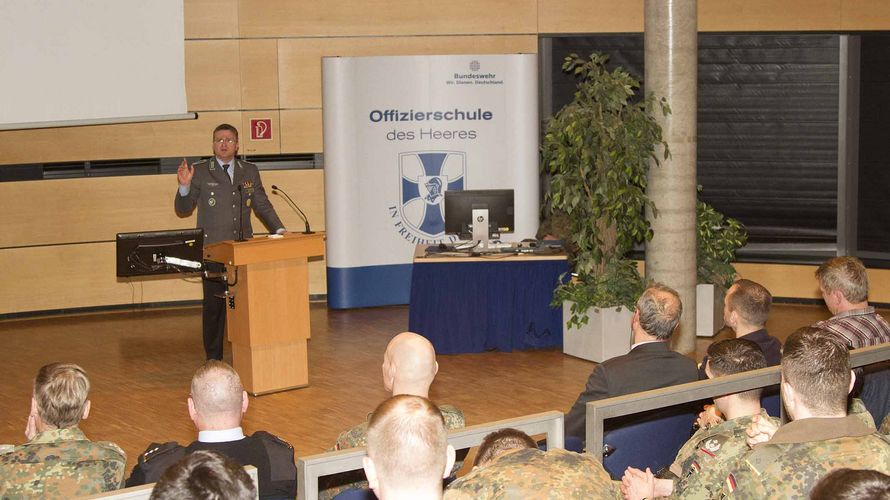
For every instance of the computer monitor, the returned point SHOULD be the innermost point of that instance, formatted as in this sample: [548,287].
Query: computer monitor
[479,214]
[160,252]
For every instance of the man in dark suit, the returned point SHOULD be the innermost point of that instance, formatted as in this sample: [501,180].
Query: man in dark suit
[650,364]
[216,405]
[224,189]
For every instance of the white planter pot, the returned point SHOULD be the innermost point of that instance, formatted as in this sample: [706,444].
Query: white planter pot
[708,310]
[606,335]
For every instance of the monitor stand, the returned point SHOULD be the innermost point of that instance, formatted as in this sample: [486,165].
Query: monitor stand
[480,227]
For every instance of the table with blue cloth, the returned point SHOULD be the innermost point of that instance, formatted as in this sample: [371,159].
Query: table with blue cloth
[477,304]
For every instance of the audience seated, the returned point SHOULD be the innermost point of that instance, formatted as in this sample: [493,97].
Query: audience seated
[58,461]
[706,459]
[844,285]
[216,405]
[787,461]
[650,364]
[204,475]
[408,450]
[745,310]
[510,465]
[852,484]
[409,367]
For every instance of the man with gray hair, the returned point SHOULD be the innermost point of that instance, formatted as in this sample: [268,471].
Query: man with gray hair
[408,450]
[650,364]
[216,405]
[58,461]
[843,282]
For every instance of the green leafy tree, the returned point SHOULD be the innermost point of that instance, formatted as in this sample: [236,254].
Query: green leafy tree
[597,150]
[718,239]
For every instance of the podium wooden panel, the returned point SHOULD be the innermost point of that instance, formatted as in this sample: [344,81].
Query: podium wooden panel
[267,315]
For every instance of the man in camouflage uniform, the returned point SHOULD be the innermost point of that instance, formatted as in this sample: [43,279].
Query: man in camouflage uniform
[409,367]
[790,460]
[705,460]
[510,465]
[58,461]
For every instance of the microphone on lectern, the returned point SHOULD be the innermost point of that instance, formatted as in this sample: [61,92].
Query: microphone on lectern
[296,208]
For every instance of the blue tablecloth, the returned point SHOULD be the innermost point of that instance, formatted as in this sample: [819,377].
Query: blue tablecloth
[466,307]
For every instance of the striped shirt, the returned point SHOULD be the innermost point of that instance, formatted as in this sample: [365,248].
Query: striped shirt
[859,327]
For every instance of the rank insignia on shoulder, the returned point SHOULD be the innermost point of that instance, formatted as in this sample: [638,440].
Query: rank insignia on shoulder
[157,450]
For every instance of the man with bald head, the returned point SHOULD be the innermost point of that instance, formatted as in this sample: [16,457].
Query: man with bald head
[216,405]
[409,367]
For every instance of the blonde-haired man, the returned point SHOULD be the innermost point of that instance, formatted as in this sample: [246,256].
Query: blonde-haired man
[408,450]
[58,461]
[216,405]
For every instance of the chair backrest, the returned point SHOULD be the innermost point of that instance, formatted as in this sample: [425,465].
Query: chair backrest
[649,443]
[143,492]
[598,411]
[310,468]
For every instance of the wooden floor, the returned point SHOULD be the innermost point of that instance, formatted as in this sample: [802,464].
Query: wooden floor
[140,365]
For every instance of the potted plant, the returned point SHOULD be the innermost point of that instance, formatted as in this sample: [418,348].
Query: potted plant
[718,239]
[597,151]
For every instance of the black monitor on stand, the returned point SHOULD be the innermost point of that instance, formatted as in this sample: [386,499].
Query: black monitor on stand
[479,214]
[160,252]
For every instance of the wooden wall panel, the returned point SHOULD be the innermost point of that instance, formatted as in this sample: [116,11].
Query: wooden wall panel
[768,15]
[300,59]
[264,147]
[134,140]
[300,18]
[865,15]
[259,74]
[212,75]
[75,276]
[301,131]
[798,281]
[211,18]
[61,277]
[590,16]
[84,210]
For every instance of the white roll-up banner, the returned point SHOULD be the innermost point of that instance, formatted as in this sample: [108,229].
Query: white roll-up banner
[399,131]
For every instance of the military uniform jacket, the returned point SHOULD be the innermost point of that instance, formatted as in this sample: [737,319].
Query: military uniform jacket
[705,460]
[273,458]
[532,473]
[220,207]
[801,452]
[61,463]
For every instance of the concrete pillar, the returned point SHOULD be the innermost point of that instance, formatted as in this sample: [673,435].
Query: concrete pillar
[671,52]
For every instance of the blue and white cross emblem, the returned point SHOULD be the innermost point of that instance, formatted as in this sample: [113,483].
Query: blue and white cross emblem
[425,178]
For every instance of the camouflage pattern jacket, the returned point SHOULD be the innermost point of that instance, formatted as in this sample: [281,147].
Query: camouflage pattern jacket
[331,486]
[358,435]
[532,473]
[801,452]
[706,459]
[61,463]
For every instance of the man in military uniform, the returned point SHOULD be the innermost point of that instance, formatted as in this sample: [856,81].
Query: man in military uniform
[224,189]
[705,460]
[58,461]
[408,450]
[409,367]
[788,461]
[216,406]
[510,465]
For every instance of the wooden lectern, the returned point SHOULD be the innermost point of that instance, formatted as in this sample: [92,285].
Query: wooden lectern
[267,318]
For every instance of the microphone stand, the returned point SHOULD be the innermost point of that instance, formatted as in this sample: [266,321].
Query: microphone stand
[296,207]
